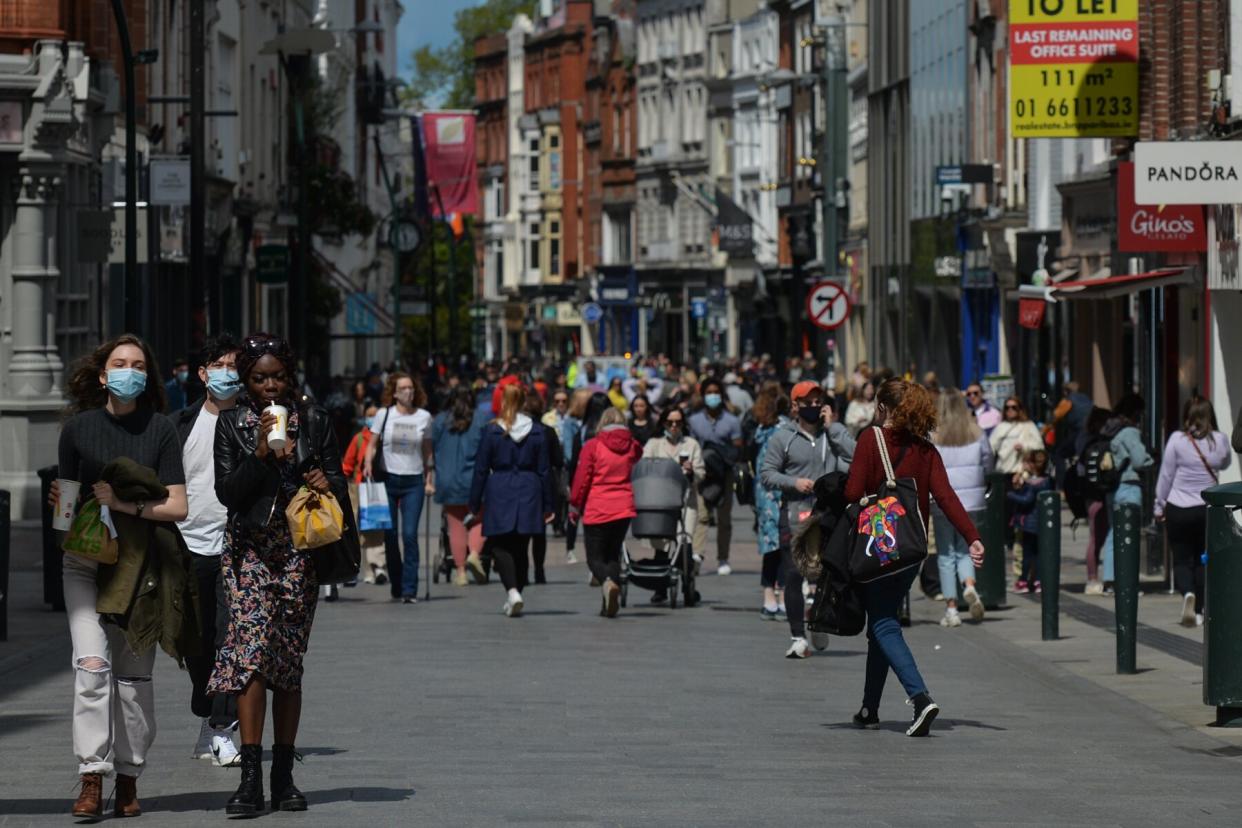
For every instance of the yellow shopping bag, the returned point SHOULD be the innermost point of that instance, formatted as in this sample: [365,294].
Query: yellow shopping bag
[315,519]
[88,536]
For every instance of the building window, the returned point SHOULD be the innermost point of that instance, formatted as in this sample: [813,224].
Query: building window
[533,264]
[554,247]
[534,163]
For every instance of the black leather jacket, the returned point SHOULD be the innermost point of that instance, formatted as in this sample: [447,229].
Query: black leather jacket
[248,486]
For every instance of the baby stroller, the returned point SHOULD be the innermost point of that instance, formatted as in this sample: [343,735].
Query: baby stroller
[662,494]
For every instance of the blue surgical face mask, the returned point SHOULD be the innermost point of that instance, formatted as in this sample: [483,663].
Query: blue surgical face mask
[126,384]
[712,400]
[182,376]
[223,383]
[368,421]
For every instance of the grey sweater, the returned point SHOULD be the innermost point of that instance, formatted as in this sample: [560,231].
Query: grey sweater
[792,454]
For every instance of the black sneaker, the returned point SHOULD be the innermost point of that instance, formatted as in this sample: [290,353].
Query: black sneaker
[925,712]
[866,719]
[660,597]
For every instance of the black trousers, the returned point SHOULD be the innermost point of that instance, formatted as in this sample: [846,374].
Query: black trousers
[509,558]
[795,604]
[539,553]
[392,561]
[213,622]
[1187,539]
[603,548]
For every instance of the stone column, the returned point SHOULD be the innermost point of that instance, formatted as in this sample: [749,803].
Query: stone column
[34,273]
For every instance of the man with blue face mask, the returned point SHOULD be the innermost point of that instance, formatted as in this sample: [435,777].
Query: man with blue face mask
[174,389]
[719,432]
[203,533]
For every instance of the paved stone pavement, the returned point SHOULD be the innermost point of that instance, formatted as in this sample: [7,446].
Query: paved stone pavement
[447,713]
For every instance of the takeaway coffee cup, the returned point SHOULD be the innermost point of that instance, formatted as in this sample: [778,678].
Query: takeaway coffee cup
[66,504]
[279,435]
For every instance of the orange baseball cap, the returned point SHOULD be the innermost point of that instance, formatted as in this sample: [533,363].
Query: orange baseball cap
[803,389]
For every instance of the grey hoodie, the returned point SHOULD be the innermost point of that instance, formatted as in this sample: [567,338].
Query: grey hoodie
[792,454]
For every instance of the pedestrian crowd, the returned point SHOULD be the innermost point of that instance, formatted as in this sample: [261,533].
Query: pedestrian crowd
[214,531]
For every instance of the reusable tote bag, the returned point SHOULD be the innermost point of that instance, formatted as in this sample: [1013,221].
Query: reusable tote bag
[373,511]
[889,535]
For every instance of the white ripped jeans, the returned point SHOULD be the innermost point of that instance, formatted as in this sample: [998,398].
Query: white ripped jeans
[113,697]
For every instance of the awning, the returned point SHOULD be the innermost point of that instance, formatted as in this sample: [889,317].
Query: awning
[1115,287]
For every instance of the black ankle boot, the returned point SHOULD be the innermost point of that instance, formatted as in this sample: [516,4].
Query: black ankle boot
[249,796]
[285,795]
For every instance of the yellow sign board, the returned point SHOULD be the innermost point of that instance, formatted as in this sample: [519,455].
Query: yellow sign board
[1073,68]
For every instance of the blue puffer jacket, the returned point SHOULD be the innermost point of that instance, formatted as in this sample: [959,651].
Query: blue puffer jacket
[455,452]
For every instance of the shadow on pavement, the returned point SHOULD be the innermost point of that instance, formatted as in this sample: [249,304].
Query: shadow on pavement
[942,724]
[16,723]
[202,801]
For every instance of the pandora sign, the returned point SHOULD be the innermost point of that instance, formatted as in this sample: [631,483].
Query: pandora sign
[1154,229]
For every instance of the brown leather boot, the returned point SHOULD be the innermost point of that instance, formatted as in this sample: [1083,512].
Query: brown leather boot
[90,798]
[126,797]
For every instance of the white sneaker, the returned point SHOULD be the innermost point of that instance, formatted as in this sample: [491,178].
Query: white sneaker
[1188,609]
[223,748]
[698,563]
[798,649]
[514,604]
[1198,619]
[202,748]
[570,557]
[976,606]
[1093,588]
[724,569]
[819,640]
[951,618]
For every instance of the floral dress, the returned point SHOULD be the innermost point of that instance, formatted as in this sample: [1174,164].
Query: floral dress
[272,593]
[767,501]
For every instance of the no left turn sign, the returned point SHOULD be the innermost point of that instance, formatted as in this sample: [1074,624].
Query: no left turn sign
[827,305]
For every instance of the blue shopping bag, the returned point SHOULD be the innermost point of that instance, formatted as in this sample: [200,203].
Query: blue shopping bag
[373,511]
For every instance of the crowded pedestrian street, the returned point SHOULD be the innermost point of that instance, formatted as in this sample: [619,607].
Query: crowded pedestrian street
[621,412]
[452,714]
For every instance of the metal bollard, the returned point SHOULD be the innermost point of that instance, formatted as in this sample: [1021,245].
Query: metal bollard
[990,578]
[1050,563]
[5,523]
[53,575]
[1126,536]
[1222,645]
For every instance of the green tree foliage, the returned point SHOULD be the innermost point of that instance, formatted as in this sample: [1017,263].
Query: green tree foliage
[444,76]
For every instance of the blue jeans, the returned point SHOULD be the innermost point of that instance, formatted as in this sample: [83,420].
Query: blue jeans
[405,500]
[1126,493]
[952,555]
[885,645]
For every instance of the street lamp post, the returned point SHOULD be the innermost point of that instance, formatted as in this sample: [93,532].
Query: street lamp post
[133,322]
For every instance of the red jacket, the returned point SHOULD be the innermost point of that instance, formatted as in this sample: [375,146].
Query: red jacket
[356,454]
[602,491]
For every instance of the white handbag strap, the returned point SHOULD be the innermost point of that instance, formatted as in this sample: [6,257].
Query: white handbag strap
[889,474]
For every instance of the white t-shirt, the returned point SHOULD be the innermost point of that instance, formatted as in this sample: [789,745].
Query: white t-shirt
[203,527]
[403,439]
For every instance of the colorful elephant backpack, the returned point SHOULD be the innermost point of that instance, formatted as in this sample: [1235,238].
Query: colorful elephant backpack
[889,535]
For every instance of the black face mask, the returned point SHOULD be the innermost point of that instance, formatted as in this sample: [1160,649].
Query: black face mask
[810,413]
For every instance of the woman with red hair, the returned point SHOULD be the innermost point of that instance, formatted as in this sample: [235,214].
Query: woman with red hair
[905,416]
[512,480]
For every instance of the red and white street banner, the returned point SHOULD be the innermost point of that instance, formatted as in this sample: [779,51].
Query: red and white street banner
[452,172]
[1150,229]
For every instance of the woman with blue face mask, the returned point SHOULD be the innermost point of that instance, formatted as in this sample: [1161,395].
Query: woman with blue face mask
[115,401]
